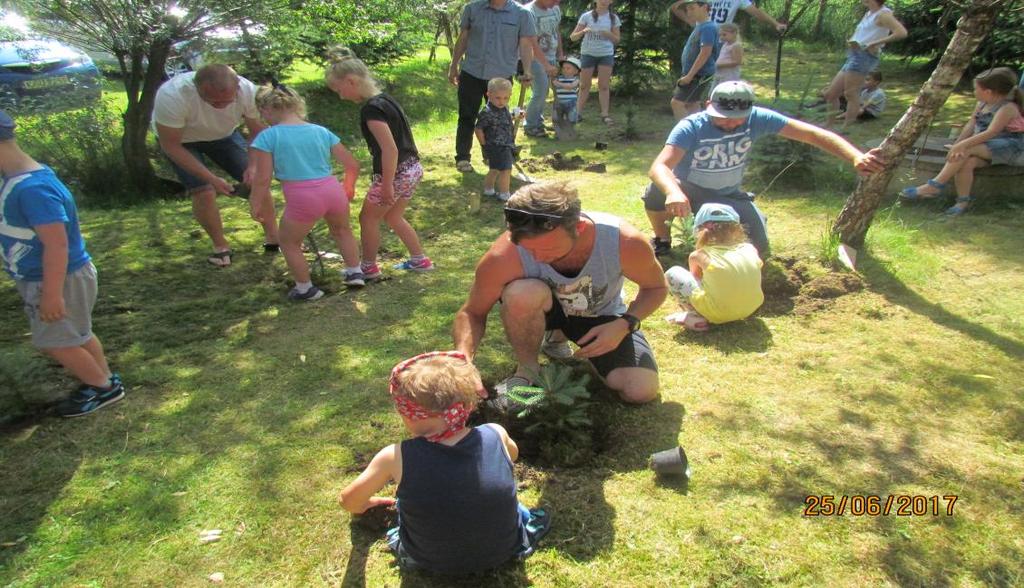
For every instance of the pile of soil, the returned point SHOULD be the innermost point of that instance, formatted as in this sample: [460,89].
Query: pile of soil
[788,287]
[559,162]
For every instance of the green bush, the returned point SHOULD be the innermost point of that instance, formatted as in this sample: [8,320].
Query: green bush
[82,146]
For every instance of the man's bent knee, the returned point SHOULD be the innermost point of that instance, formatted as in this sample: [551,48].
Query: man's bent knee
[525,295]
[634,385]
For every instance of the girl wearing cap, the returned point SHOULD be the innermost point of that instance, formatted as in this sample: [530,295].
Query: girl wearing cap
[456,497]
[724,280]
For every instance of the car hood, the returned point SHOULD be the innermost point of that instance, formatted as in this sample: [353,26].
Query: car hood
[35,51]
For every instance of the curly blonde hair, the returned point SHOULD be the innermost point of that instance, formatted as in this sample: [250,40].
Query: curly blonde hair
[281,99]
[437,383]
[720,233]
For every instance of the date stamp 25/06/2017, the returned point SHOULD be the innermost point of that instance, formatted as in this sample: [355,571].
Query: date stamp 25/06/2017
[871,505]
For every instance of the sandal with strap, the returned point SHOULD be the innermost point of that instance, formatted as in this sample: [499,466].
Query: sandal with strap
[220,258]
[913,194]
[961,206]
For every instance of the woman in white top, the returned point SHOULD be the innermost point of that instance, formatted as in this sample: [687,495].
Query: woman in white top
[599,28]
[877,28]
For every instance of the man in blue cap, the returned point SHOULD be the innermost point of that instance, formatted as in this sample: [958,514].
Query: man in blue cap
[42,248]
[706,153]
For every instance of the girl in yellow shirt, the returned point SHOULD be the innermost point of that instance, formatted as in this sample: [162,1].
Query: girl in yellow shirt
[723,283]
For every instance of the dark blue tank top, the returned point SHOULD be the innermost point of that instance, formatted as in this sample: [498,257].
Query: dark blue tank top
[457,505]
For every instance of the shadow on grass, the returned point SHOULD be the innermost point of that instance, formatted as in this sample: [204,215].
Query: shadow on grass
[881,280]
[750,335]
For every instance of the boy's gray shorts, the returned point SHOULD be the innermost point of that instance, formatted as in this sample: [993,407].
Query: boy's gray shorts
[75,329]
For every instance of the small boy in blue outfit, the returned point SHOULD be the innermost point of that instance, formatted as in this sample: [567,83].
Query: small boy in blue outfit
[456,499]
[567,90]
[42,249]
[496,134]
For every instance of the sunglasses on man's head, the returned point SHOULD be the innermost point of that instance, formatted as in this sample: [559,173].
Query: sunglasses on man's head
[518,219]
[733,103]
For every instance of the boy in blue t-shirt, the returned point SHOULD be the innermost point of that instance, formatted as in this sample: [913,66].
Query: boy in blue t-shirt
[42,248]
[699,56]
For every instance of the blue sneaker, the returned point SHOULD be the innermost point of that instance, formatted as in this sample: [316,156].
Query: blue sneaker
[310,295]
[423,265]
[88,399]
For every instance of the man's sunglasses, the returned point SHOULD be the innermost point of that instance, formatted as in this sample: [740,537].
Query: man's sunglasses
[733,103]
[542,221]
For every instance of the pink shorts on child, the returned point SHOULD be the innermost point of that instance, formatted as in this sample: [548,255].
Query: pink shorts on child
[407,177]
[307,201]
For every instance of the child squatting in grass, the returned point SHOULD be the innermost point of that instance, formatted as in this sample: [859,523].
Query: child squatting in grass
[724,280]
[299,154]
[456,498]
[42,248]
[396,163]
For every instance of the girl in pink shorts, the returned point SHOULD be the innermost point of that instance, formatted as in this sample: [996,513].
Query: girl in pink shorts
[396,164]
[299,154]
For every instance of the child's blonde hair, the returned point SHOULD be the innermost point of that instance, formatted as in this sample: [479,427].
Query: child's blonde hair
[499,85]
[281,99]
[724,234]
[345,63]
[732,28]
[437,383]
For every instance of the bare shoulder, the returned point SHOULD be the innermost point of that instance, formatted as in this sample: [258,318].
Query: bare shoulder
[633,243]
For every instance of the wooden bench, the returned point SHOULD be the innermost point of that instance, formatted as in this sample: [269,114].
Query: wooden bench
[925,159]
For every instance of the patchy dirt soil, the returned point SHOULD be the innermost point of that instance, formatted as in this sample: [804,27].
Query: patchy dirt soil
[789,288]
[560,162]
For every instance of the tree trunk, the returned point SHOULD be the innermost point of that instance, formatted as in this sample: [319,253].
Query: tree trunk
[142,85]
[819,22]
[975,24]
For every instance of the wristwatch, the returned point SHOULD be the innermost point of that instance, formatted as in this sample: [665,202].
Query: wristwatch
[634,323]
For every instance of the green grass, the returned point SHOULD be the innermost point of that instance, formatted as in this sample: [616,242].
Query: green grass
[248,414]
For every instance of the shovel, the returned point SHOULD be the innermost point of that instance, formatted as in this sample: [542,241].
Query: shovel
[520,173]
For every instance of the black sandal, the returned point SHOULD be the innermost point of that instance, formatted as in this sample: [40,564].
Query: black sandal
[220,258]
[271,248]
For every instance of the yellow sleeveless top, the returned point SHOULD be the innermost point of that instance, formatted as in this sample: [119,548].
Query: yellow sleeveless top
[731,285]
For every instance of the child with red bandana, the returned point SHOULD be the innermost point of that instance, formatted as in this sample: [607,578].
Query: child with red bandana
[456,498]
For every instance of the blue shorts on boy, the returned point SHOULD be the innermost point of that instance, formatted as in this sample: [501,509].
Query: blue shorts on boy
[496,124]
[457,505]
[40,198]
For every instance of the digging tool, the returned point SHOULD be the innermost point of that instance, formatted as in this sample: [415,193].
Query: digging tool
[520,173]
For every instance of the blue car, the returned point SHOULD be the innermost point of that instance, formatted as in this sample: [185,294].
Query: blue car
[41,75]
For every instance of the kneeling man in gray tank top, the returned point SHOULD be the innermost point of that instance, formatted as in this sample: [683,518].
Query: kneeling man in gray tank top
[558,273]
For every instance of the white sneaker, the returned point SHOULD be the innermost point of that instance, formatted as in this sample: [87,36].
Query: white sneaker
[464,166]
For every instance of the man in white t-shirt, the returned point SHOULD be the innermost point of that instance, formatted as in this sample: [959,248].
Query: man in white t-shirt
[196,116]
[723,11]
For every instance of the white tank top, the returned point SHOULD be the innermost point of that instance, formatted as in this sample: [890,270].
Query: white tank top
[868,30]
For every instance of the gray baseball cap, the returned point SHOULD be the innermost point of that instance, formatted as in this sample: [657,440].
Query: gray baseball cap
[7,125]
[731,100]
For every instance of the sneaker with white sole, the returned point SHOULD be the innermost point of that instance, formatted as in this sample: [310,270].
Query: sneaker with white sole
[354,278]
[555,349]
[370,271]
[310,295]
[464,166]
[87,399]
[423,265]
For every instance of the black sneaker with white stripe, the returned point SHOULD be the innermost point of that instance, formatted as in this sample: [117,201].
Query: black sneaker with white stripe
[88,399]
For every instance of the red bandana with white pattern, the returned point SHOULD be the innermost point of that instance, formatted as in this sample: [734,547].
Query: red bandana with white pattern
[454,416]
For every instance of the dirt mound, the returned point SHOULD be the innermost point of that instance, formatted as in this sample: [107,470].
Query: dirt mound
[788,287]
[560,162]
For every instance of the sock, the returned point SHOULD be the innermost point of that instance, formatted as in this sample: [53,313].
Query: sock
[303,287]
[488,191]
[352,270]
[417,258]
[366,265]
[504,195]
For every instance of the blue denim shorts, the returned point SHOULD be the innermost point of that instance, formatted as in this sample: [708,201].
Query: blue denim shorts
[499,157]
[1007,150]
[860,61]
[230,154]
[592,61]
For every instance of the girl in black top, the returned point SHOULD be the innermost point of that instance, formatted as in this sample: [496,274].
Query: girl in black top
[396,165]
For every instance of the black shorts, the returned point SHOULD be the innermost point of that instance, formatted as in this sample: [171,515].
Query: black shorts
[633,351]
[499,157]
[695,91]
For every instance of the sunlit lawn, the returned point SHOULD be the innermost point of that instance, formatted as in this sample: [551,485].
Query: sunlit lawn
[248,413]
